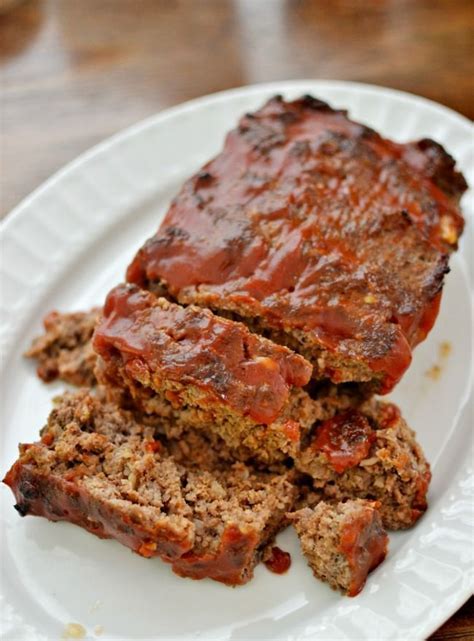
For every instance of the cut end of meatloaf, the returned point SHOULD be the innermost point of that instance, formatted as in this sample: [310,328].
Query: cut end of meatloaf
[319,233]
[369,453]
[194,368]
[342,542]
[64,351]
[97,467]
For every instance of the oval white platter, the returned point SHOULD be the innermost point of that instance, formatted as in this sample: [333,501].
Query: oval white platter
[64,247]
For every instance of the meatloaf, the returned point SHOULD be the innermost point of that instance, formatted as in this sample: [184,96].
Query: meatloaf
[194,368]
[346,445]
[318,233]
[342,542]
[370,453]
[64,351]
[97,467]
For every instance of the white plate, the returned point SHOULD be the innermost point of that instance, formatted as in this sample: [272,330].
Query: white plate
[64,247]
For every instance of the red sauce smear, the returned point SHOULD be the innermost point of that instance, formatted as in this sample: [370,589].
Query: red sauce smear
[279,561]
[388,415]
[364,543]
[345,440]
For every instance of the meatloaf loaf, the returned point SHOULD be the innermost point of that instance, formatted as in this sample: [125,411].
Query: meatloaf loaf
[342,542]
[97,467]
[370,453]
[318,233]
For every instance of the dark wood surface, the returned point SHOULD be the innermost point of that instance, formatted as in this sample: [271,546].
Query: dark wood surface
[75,71]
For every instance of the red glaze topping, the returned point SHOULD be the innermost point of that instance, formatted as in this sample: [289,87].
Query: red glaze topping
[193,346]
[279,561]
[312,222]
[364,543]
[388,415]
[345,440]
[231,564]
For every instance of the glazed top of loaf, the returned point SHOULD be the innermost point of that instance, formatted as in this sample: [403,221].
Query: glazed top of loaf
[193,346]
[316,224]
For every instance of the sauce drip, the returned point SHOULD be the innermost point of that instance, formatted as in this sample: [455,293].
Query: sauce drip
[279,562]
[345,440]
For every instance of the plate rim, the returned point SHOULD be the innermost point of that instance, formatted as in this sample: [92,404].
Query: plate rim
[158,118]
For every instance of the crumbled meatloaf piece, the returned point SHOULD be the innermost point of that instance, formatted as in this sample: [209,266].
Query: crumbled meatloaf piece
[369,453]
[64,351]
[95,466]
[197,369]
[342,542]
[318,233]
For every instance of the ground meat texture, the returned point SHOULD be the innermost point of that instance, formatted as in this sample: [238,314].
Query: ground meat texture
[368,453]
[318,233]
[64,351]
[99,468]
[342,542]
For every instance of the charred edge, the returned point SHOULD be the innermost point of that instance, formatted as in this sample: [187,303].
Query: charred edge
[22,508]
[441,167]
[309,101]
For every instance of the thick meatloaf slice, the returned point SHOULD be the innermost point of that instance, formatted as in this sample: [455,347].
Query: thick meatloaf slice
[197,369]
[342,542]
[64,351]
[317,232]
[369,453]
[95,466]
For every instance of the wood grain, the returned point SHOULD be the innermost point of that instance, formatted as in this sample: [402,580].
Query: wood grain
[74,72]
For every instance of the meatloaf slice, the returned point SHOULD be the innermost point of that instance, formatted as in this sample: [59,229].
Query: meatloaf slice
[342,542]
[370,453]
[317,232]
[64,351]
[197,369]
[97,467]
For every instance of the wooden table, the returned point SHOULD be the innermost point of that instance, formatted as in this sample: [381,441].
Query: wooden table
[75,71]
